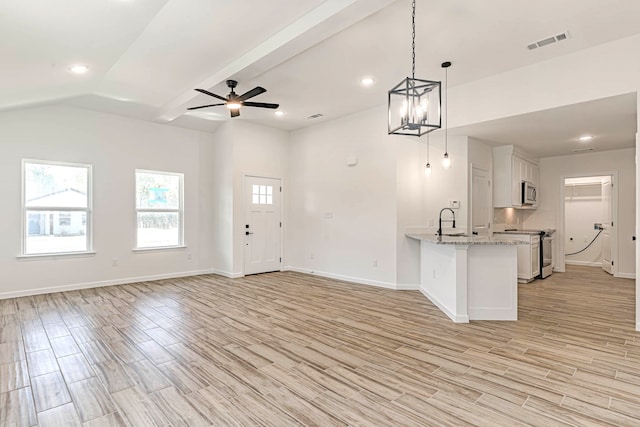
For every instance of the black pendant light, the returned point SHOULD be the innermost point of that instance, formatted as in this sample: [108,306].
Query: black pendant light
[446,160]
[414,104]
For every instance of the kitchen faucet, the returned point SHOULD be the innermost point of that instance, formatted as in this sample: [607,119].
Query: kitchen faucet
[450,220]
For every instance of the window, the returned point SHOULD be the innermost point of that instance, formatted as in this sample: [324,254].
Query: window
[262,194]
[159,209]
[56,207]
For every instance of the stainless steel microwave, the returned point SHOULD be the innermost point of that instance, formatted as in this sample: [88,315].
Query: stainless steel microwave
[529,193]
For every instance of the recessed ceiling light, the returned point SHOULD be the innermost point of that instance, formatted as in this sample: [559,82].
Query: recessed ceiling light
[79,69]
[279,113]
[585,138]
[367,81]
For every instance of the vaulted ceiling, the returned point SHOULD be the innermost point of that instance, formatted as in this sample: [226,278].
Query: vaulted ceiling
[145,57]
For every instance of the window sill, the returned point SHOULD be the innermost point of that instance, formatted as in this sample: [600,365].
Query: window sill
[159,249]
[54,256]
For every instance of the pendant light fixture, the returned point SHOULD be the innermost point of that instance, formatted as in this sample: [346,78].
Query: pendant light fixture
[428,169]
[414,104]
[446,160]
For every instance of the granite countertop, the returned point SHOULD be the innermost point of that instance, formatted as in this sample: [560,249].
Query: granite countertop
[460,240]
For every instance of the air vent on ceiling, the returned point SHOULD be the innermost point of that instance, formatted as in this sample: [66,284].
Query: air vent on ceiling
[315,116]
[549,40]
[583,150]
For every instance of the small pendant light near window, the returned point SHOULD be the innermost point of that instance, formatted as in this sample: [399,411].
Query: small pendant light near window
[414,104]
[428,169]
[446,160]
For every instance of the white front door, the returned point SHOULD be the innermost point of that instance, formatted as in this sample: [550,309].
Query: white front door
[262,236]
[607,224]
[480,201]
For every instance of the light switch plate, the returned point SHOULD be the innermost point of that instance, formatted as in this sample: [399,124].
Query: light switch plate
[454,204]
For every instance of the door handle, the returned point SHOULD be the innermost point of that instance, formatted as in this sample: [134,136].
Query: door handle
[246,233]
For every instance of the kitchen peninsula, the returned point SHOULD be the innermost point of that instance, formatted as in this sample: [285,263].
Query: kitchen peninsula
[469,277]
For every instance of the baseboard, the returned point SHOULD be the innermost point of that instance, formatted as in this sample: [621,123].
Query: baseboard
[408,286]
[456,318]
[493,313]
[99,284]
[351,279]
[625,275]
[227,274]
[585,263]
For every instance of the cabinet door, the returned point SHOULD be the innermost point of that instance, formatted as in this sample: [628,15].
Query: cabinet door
[524,262]
[517,165]
[535,260]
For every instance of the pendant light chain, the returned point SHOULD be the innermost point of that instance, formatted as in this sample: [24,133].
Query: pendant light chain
[413,40]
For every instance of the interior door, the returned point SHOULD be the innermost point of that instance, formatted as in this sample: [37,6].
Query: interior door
[607,223]
[480,201]
[262,236]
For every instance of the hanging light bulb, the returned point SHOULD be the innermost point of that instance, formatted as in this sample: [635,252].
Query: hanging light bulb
[428,169]
[446,161]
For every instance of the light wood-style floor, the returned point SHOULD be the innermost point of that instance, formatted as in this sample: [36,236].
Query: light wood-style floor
[288,349]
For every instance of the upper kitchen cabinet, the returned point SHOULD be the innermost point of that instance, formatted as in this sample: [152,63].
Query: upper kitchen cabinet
[512,168]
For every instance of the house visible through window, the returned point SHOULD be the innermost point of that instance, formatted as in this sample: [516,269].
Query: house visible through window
[56,207]
[159,209]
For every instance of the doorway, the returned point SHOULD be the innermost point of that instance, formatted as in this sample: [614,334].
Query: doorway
[590,228]
[481,206]
[263,224]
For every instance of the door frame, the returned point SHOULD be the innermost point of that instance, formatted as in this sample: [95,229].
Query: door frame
[489,172]
[241,228]
[559,262]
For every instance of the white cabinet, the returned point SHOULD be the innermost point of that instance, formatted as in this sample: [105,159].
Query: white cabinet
[510,168]
[528,254]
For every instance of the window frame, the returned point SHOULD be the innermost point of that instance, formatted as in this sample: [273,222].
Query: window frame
[88,210]
[179,211]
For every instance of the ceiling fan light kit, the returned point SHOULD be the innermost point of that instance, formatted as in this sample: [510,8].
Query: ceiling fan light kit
[414,104]
[234,102]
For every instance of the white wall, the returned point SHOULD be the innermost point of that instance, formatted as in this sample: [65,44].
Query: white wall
[115,146]
[257,151]
[582,209]
[553,171]
[221,166]
[343,218]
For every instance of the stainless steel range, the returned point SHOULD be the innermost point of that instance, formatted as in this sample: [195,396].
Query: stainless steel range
[546,252]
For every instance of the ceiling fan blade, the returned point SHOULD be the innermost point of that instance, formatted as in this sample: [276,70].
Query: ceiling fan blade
[253,92]
[235,113]
[206,92]
[260,104]
[204,106]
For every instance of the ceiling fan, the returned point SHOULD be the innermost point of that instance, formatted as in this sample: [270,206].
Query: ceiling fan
[233,101]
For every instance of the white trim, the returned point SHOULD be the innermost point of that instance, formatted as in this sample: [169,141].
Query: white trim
[361,281]
[407,286]
[159,249]
[98,284]
[227,274]
[625,275]
[56,255]
[586,263]
[444,309]
[491,314]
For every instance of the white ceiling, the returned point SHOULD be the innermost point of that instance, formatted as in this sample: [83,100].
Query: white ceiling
[147,56]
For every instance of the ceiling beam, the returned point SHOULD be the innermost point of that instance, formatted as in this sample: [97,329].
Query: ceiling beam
[327,19]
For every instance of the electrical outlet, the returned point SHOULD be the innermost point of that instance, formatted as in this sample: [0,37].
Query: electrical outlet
[374,263]
[114,262]
[189,257]
[434,274]
[431,222]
